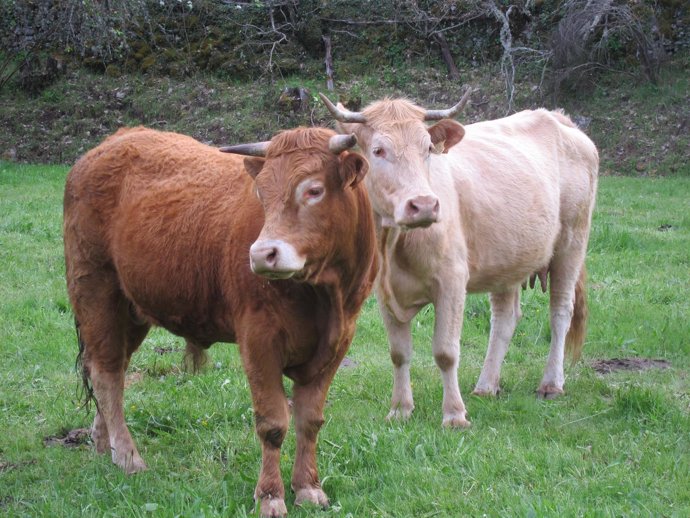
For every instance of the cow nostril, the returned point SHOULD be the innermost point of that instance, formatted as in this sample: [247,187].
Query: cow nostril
[412,208]
[272,257]
[436,206]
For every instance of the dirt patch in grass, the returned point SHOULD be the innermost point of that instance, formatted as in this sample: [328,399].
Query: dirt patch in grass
[628,364]
[70,438]
[348,362]
[166,350]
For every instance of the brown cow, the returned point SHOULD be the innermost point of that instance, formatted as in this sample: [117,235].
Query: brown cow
[502,199]
[162,230]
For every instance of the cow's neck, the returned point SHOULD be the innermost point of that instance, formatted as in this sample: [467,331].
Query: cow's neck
[342,286]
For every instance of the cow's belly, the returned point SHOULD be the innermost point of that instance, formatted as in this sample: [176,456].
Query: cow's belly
[510,260]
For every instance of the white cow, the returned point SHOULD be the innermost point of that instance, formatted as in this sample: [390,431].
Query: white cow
[476,208]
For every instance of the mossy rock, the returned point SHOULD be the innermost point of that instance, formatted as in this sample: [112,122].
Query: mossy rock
[147,63]
[113,71]
[141,50]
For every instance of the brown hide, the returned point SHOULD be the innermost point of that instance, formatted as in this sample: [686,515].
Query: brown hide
[157,230]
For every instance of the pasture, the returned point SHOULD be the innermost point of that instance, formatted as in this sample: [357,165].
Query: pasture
[616,444]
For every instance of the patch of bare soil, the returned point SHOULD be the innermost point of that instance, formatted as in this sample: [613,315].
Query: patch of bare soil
[348,362]
[166,350]
[628,364]
[132,378]
[70,439]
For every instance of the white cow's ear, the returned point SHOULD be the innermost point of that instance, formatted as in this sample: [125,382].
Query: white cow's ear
[254,165]
[353,168]
[447,131]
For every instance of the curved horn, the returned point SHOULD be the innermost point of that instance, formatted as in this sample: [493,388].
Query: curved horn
[339,143]
[253,149]
[342,114]
[435,115]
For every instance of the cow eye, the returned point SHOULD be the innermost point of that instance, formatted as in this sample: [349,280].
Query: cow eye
[379,152]
[314,192]
[311,192]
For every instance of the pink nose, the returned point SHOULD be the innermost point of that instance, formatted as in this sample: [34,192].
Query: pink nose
[420,211]
[264,256]
[275,259]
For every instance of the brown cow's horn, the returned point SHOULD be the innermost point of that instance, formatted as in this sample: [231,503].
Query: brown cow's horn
[342,114]
[253,149]
[339,143]
[435,115]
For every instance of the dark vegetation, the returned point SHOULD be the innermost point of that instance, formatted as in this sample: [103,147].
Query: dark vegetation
[73,71]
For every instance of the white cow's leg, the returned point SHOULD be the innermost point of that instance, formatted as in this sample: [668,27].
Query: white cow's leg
[400,341]
[505,314]
[446,348]
[564,271]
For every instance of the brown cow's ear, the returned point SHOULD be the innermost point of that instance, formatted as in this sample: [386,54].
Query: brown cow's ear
[447,131]
[353,168]
[254,165]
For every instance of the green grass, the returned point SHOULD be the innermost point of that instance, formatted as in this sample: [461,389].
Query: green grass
[614,445]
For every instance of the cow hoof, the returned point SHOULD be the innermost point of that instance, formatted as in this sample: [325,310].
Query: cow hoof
[549,392]
[486,391]
[399,414]
[130,463]
[456,421]
[311,495]
[273,508]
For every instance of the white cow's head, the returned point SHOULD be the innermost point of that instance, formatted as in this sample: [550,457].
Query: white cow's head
[398,145]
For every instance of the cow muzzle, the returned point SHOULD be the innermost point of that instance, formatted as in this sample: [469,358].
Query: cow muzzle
[275,259]
[419,211]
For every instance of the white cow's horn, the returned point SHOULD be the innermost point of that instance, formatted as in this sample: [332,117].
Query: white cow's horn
[342,114]
[253,149]
[435,115]
[339,143]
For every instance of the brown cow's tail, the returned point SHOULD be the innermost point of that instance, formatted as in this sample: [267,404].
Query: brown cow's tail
[195,357]
[85,392]
[575,339]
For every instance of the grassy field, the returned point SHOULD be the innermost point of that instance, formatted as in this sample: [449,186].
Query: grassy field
[614,445]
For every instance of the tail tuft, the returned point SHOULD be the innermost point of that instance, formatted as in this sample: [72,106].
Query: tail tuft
[85,393]
[575,339]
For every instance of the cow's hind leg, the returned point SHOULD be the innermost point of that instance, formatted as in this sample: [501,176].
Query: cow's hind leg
[109,336]
[505,314]
[400,341]
[564,272]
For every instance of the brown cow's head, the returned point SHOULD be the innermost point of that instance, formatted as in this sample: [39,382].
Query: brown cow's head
[400,149]
[304,179]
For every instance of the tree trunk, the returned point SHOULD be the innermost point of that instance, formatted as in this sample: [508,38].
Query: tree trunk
[440,39]
[328,62]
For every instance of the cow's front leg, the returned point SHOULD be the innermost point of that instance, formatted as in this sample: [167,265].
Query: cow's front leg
[400,342]
[505,314]
[307,408]
[272,419]
[449,307]
[308,401]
